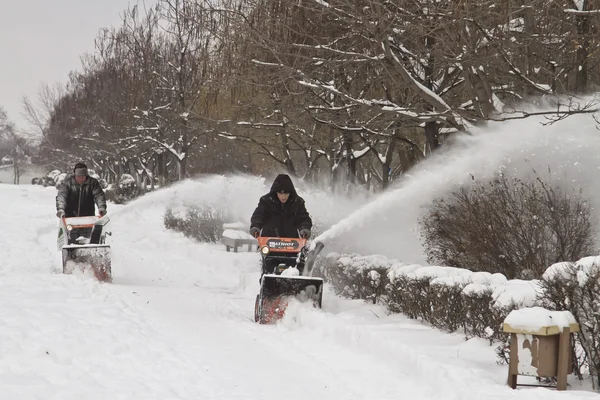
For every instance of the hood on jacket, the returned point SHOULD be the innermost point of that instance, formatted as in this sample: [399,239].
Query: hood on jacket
[283,182]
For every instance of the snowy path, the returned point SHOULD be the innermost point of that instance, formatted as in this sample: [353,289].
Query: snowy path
[176,324]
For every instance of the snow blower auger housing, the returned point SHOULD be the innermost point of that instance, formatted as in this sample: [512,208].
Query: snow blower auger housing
[82,241]
[286,273]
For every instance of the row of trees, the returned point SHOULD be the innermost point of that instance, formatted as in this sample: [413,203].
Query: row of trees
[13,146]
[334,91]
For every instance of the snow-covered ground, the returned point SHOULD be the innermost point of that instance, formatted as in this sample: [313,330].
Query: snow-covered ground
[176,323]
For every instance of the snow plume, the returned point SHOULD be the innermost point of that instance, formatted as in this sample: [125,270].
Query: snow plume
[238,195]
[568,151]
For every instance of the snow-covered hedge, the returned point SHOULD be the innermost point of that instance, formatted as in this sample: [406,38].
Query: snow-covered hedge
[357,277]
[448,298]
[575,287]
[125,190]
[204,224]
[50,179]
[474,302]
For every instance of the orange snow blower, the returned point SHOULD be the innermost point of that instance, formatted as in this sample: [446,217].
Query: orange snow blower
[286,273]
[82,241]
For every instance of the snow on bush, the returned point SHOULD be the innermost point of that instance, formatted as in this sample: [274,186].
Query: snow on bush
[515,293]
[204,224]
[586,308]
[450,298]
[126,181]
[477,302]
[356,276]
[54,174]
[125,191]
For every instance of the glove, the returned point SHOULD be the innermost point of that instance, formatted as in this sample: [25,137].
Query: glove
[254,231]
[102,212]
[305,233]
[60,213]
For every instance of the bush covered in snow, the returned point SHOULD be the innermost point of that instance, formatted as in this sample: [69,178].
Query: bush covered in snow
[124,191]
[51,179]
[204,224]
[507,225]
[476,303]
[575,287]
[356,277]
[447,297]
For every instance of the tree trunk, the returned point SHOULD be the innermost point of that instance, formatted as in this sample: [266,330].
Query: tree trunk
[386,166]
[16,172]
[583,43]
[432,140]
[182,167]
[528,17]
[161,163]
[348,153]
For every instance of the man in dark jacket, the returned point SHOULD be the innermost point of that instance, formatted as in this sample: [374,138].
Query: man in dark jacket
[281,212]
[78,194]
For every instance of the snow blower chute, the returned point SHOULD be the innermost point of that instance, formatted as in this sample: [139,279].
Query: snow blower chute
[287,273]
[82,241]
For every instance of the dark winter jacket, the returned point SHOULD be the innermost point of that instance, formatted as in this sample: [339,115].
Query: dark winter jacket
[78,200]
[281,219]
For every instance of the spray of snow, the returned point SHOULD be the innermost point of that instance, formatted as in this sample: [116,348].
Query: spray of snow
[568,151]
[236,196]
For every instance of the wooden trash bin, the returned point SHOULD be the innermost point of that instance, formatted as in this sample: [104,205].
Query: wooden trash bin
[541,351]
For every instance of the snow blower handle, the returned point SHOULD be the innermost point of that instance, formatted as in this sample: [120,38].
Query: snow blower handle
[305,233]
[255,232]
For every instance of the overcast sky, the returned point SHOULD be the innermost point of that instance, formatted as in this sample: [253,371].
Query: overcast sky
[42,40]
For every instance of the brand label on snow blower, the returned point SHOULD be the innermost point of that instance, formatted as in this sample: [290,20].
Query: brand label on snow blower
[280,244]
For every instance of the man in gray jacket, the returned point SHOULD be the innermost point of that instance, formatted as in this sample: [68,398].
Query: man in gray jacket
[78,194]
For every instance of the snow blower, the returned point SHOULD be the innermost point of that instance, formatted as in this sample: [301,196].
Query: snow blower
[287,273]
[82,241]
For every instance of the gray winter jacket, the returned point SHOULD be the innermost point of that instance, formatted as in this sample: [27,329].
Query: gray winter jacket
[78,200]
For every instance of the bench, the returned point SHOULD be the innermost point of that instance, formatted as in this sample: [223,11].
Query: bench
[233,237]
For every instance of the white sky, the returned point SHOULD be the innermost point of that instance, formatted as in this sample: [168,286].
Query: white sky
[41,41]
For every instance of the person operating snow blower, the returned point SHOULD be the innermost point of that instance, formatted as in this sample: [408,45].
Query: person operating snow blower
[82,236]
[78,194]
[281,212]
[282,226]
